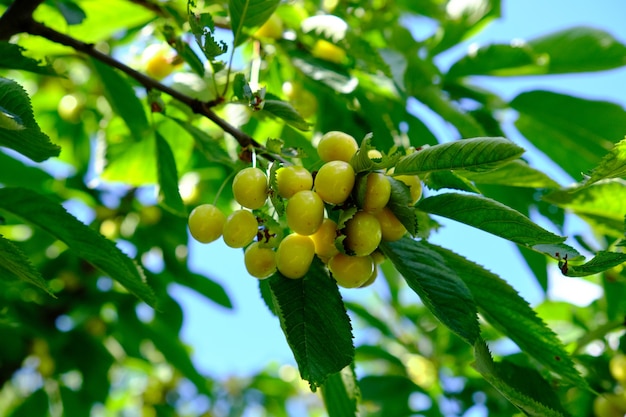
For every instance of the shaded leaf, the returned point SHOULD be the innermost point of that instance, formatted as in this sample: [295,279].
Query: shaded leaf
[502,306]
[488,215]
[438,286]
[518,385]
[248,14]
[400,205]
[200,284]
[320,347]
[122,98]
[573,132]
[82,240]
[18,129]
[169,195]
[72,13]
[476,154]
[341,393]
[12,57]
[389,392]
[15,263]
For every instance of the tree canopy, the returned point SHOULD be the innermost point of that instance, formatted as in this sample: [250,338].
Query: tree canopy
[129,129]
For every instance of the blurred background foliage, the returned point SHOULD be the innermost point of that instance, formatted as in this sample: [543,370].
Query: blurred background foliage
[95,349]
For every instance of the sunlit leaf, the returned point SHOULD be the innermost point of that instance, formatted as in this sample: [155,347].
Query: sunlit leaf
[476,154]
[523,387]
[285,111]
[488,215]
[602,203]
[321,346]
[18,129]
[71,11]
[575,133]
[438,180]
[400,205]
[16,264]
[502,306]
[82,240]
[438,286]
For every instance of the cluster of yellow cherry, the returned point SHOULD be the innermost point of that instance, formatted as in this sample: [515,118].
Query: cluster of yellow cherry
[349,246]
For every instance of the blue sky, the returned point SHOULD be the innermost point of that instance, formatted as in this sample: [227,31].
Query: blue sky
[247,338]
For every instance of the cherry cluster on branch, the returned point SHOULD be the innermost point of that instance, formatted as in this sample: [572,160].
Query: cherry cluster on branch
[18,18]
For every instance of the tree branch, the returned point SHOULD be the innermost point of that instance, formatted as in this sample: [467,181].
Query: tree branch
[16,17]
[199,107]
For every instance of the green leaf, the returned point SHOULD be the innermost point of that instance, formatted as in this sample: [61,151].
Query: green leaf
[488,215]
[122,98]
[35,404]
[438,285]
[203,28]
[131,163]
[602,203]
[12,57]
[169,195]
[15,173]
[341,393]
[573,132]
[315,322]
[516,173]
[601,262]
[210,147]
[580,49]
[523,387]
[613,165]
[18,129]
[16,264]
[502,306]
[400,205]
[389,393]
[501,60]
[577,49]
[438,180]
[368,316]
[476,154]
[82,240]
[362,162]
[248,14]
[200,284]
[285,111]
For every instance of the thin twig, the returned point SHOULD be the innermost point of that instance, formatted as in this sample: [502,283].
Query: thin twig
[197,106]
